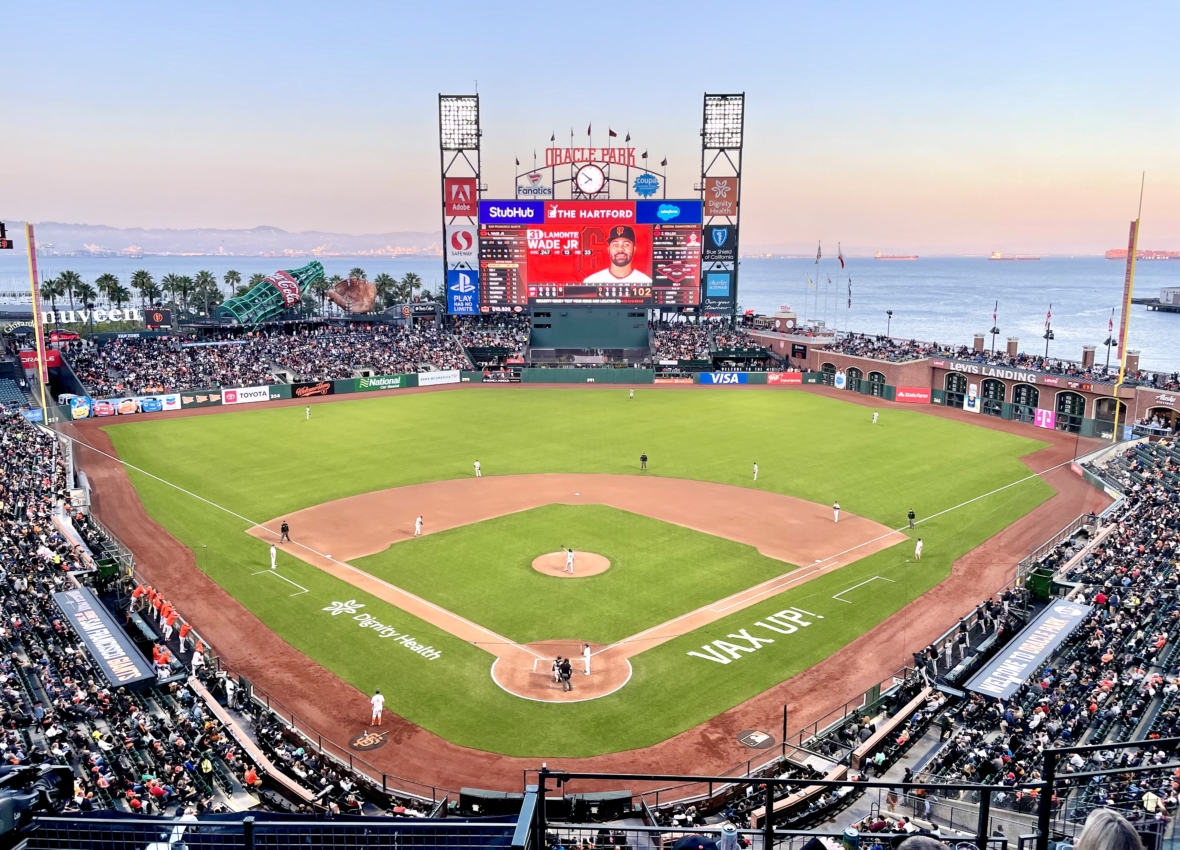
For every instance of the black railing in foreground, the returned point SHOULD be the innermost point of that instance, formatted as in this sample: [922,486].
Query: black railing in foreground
[1043,788]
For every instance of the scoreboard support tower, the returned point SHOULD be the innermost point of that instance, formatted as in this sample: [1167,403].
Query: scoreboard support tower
[722,131]
[459,157]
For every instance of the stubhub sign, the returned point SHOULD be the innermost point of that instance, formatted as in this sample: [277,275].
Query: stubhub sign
[462,292]
[511,212]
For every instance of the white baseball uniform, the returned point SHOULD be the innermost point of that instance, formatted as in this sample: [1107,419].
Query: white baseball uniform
[755,472]
[632,394]
[918,550]
[273,555]
[835,511]
[309,411]
[378,702]
[874,417]
[569,562]
[478,474]
[418,527]
[586,659]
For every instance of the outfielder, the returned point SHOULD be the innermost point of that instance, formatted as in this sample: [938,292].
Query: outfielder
[378,703]
[418,527]
[478,473]
[835,511]
[874,417]
[273,554]
[569,561]
[632,394]
[755,470]
[308,413]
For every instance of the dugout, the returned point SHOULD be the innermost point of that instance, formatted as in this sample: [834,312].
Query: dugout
[589,335]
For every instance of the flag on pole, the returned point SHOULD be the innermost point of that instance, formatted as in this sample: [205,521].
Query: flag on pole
[644,154]
[628,136]
[1110,324]
[611,133]
[553,137]
[810,285]
[1048,317]
[829,280]
[840,255]
[588,129]
[664,162]
[518,162]
[849,293]
[995,312]
[818,252]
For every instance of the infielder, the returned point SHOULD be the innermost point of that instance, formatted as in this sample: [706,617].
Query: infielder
[755,470]
[308,413]
[835,511]
[586,658]
[569,561]
[273,554]
[478,473]
[418,527]
[378,703]
[918,550]
[874,417]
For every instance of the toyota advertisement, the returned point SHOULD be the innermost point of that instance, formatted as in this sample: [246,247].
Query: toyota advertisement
[643,253]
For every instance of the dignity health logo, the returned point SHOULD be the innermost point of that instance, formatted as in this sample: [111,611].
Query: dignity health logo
[382,630]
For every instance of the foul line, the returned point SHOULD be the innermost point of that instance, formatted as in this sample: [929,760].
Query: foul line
[301,590]
[862,584]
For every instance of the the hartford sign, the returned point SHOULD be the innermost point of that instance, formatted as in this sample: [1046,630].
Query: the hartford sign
[82,317]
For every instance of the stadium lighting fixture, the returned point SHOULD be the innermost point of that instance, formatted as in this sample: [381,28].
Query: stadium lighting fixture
[888,322]
[724,120]
[458,117]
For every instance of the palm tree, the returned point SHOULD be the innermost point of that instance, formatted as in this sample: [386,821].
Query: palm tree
[106,283]
[119,295]
[205,285]
[170,282]
[321,288]
[257,278]
[357,272]
[410,282]
[185,287]
[51,290]
[143,283]
[232,279]
[387,288]
[70,281]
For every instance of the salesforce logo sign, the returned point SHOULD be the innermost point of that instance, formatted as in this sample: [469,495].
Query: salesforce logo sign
[511,212]
[462,292]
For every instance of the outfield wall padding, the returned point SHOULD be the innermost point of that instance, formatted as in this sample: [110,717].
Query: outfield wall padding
[587,376]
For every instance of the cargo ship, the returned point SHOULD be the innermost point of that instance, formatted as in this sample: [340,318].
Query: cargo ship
[996,255]
[881,256]
[1121,254]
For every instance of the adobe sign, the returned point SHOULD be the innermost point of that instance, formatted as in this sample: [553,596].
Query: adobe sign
[460,196]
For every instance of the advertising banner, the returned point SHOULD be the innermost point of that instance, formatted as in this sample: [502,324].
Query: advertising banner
[245,395]
[536,185]
[462,292]
[784,378]
[717,284]
[309,390]
[1045,418]
[200,398]
[798,351]
[913,395]
[724,378]
[80,407]
[34,414]
[460,196]
[386,382]
[28,358]
[462,243]
[431,379]
[971,402]
[673,380]
[840,379]
[721,195]
[644,253]
[157,317]
[121,663]
[720,244]
[500,376]
[1024,656]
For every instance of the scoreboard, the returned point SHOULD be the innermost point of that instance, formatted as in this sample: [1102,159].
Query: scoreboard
[642,253]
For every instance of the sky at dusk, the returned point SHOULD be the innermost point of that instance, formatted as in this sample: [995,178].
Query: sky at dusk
[924,127]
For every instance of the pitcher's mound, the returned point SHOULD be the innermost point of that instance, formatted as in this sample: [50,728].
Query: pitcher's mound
[585,564]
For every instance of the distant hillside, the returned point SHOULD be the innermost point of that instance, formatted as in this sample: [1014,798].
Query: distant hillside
[66,239]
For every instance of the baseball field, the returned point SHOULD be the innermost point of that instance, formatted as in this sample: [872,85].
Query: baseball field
[718,586]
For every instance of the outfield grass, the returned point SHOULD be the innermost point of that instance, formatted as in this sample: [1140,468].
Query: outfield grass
[264,462]
[658,570]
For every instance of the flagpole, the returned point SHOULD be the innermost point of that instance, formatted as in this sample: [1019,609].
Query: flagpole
[818,254]
[1129,290]
[38,326]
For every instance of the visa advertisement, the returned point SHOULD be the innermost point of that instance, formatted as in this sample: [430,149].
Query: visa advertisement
[577,252]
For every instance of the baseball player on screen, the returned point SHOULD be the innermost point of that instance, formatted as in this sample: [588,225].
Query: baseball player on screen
[621,251]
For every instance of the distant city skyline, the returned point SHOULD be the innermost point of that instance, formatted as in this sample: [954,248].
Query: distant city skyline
[926,129]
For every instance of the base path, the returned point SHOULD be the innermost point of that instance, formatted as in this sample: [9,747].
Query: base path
[793,530]
[337,710]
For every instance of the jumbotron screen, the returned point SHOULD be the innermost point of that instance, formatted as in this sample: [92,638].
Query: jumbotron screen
[589,252]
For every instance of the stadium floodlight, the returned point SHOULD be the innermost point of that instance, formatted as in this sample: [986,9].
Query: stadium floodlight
[458,120]
[724,119]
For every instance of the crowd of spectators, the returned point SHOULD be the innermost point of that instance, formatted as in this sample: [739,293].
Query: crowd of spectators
[157,365]
[506,331]
[680,341]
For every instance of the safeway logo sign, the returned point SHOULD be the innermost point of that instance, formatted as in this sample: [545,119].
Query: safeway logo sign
[462,244]
[459,196]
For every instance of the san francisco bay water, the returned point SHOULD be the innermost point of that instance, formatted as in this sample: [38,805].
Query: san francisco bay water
[943,299]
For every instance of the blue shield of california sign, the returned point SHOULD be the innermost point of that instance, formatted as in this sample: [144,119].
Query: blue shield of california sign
[720,234]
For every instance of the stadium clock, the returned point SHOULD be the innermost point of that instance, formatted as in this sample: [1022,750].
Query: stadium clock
[590,179]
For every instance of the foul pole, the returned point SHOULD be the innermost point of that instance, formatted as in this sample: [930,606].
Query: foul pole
[1125,321]
[38,327]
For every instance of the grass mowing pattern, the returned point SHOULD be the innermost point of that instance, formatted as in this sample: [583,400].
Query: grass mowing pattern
[658,571]
[266,461]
